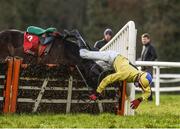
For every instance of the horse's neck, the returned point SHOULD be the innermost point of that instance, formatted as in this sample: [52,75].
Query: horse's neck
[14,30]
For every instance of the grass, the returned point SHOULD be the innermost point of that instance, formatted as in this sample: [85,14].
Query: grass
[167,115]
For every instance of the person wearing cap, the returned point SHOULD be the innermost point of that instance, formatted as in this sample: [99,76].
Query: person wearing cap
[107,37]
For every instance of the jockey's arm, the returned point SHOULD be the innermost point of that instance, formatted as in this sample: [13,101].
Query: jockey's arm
[135,103]
[146,92]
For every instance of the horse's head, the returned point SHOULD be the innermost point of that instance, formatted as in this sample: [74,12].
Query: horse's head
[89,68]
[71,43]
[71,50]
[78,38]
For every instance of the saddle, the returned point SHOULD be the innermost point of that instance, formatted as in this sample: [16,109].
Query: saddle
[38,41]
[45,35]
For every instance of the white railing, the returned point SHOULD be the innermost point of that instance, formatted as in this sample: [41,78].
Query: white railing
[158,77]
[124,42]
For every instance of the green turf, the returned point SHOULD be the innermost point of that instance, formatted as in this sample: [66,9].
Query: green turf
[146,116]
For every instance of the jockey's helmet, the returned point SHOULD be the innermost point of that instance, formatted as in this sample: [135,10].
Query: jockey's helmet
[143,80]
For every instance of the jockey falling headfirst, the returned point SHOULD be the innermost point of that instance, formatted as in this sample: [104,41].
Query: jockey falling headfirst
[123,71]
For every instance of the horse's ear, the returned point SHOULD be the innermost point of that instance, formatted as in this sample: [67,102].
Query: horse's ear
[66,32]
[70,40]
[69,35]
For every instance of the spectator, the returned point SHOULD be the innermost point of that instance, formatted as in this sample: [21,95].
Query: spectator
[107,37]
[148,53]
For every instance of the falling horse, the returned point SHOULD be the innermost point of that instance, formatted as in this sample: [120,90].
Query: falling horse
[62,51]
[11,44]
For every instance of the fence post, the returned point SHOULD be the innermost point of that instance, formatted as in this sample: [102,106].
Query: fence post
[15,83]
[7,91]
[40,95]
[121,103]
[157,83]
[69,96]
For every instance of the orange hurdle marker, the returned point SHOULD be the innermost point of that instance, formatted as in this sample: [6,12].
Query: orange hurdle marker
[7,91]
[15,84]
[122,93]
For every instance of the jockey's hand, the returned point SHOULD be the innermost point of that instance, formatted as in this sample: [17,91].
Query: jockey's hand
[95,96]
[135,103]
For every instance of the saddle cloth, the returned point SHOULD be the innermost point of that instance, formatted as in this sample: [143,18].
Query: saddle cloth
[32,44]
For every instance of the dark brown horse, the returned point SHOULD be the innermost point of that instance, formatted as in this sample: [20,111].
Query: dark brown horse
[63,51]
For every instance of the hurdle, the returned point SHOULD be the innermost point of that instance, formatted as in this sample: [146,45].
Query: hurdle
[7,89]
[11,86]
[123,42]
[12,89]
[12,100]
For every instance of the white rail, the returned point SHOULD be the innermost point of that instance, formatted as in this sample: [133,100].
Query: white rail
[157,65]
[164,89]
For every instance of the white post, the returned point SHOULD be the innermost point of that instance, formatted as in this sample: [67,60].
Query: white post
[69,97]
[41,93]
[157,83]
[131,57]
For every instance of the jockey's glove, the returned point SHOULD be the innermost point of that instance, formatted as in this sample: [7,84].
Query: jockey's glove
[95,96]
[135,103]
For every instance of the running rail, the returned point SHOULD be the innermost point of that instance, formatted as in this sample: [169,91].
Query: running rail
[157,65]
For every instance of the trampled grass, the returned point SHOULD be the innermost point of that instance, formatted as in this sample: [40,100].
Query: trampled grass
[146,116]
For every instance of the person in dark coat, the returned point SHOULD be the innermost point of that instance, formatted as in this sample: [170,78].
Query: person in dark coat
[107,37]
[148,53]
